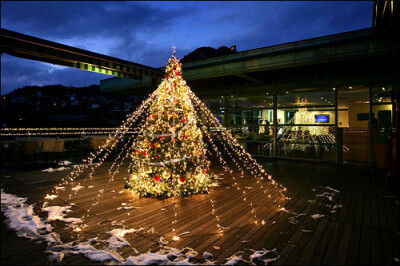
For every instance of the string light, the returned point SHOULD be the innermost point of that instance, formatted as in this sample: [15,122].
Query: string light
[183,145]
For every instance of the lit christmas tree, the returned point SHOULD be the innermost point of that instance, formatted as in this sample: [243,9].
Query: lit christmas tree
[169,155]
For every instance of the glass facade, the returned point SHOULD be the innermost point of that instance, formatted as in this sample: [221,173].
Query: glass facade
[317,124]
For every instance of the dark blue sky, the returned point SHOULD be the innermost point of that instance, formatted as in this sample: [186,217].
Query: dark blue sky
[144,32]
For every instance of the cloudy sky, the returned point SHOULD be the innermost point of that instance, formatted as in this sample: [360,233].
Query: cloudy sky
[143,32]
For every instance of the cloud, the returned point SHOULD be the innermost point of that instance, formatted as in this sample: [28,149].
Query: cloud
[18,72]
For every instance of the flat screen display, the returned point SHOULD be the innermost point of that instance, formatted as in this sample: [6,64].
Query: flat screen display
[321,118]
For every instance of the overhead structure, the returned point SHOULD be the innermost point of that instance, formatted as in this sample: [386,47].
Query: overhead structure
[29,47]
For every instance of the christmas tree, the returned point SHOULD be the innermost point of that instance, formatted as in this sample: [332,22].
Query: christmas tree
[169,155]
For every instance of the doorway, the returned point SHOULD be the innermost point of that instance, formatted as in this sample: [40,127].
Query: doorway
[354,118]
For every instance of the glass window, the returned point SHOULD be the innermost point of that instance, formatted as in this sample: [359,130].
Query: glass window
[377,90]
[306,115]
[383,115]
[310,142]
[323,97]
[254,102]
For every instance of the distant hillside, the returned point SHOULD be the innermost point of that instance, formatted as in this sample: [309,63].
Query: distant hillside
[55,90]
[208,52]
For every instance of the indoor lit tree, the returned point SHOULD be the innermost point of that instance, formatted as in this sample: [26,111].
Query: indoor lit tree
[169,155]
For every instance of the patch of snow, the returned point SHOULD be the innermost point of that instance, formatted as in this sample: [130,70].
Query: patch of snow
[151,231]
[294,219]
[216,247]
[51,170]
[58,188]
[207,255]
[57,213]
[327,195]
[185,233]
[78,187]
[64,162]
[21,218]
[317,216]
[283,209]
[162,241]
[121,191]
[91,186]
[235,259]
[332,189]
[117,239]
[306,231]
[87,250]
[50,197]
[264,255]
[220,227]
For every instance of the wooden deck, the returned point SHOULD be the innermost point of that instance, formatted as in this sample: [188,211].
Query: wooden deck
[364,231]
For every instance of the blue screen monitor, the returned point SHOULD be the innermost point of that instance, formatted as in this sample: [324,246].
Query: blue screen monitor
[321,118]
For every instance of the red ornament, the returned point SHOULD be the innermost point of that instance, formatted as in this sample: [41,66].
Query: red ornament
[162,137]
[194,142]
[186,136]
[182,179]
[186,116]
[175,140]
[155,156]
[177,164]
[183,120]
[206,171]
[145,153]
[137,152]
[153,115]
[165,76]
[156,178]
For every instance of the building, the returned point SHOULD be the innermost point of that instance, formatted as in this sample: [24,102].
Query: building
[314,99]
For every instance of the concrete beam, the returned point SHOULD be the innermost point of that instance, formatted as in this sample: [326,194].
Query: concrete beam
[37,49]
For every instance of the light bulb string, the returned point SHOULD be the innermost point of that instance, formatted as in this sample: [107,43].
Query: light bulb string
[232,140]
[209,116]
[111,179]
[131,140]
[227,168]
[130,120]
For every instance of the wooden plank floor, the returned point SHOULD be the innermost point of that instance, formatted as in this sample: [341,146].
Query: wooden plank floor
[364,231]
